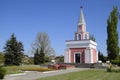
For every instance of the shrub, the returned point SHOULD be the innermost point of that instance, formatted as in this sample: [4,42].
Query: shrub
[2,72]
[112,69]
[117,62]
[116,70]
[109,69]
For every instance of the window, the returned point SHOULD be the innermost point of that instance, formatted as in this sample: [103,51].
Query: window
[79,37]
[86,36]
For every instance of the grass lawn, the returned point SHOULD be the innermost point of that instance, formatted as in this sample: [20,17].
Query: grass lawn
[86,75]
[12,69]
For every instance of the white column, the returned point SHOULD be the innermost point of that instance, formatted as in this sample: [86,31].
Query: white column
[91,52]
[69,56]
[96,56]
[87,55]
[66,56]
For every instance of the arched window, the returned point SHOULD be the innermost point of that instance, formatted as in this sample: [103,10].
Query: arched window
[86,36]
[79,37]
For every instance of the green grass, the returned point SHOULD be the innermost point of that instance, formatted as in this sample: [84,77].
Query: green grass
[12,69]
[86,75]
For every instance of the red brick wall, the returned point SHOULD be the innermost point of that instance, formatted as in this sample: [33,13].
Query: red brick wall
[79,50]
[94,55]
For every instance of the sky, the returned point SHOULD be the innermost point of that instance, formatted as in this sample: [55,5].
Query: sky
[58,18]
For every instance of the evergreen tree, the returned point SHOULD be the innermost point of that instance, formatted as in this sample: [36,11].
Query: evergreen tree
[13,51]
[92,37]
[39,57]
[42,56]
[112,35]
[100,56]
[36,57]
[1,58]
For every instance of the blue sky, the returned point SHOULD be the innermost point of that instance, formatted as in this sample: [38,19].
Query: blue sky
[58,18]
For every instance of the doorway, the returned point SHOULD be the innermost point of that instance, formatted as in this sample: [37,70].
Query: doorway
[77,58]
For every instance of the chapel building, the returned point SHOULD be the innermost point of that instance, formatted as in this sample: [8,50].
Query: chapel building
[81,49]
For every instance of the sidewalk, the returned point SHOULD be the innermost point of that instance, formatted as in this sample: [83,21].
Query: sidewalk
[33,75]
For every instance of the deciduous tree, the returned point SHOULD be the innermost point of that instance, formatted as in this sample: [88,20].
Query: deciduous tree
[43,42]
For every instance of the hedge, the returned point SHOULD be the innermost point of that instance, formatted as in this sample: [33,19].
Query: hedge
[2,72]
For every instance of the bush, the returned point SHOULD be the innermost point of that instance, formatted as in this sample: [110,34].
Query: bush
[47,59]
[117,62]
[109,69]
[2,72]
[112,69]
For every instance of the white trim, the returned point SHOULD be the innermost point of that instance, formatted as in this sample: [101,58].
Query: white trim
[80,56]
[81,44]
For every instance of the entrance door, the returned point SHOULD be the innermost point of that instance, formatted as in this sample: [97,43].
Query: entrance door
[77,58]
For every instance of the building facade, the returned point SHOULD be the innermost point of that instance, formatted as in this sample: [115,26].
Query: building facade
[81,49]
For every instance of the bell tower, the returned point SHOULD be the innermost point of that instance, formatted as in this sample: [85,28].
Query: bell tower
[81,49]
[81,33]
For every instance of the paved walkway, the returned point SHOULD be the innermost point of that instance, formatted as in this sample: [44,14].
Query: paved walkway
[32,75]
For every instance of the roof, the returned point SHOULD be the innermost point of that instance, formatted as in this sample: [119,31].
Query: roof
[81,18]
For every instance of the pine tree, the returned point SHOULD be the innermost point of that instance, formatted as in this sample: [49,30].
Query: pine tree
[92,37]
[42,56]
[39,57]
[13,51]
[1,58]
[112,35]
[36,57]
[100,56]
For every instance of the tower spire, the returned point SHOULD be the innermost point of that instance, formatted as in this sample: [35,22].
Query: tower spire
[81,20]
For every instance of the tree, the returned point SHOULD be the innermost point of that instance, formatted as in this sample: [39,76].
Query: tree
[101,56]
[1,58]
[42,42]
[112,35]
[39,57]
[13,51]
[92,37]
[60,58]
[36,57]
[42,56]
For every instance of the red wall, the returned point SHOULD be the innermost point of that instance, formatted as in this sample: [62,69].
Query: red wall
[80,50]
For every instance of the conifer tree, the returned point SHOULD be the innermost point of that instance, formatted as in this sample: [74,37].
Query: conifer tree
[112,35]
[13,51]
[1,58]
[39,57]
[42,56]
[100,56]
[92,37]
[36,57]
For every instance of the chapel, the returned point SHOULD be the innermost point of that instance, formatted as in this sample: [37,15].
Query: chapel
[81,49]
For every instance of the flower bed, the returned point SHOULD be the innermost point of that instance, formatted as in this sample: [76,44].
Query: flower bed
[35,69]
[70,66]
[60,66]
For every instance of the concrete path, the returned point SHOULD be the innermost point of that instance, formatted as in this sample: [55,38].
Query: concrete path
[32,75]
